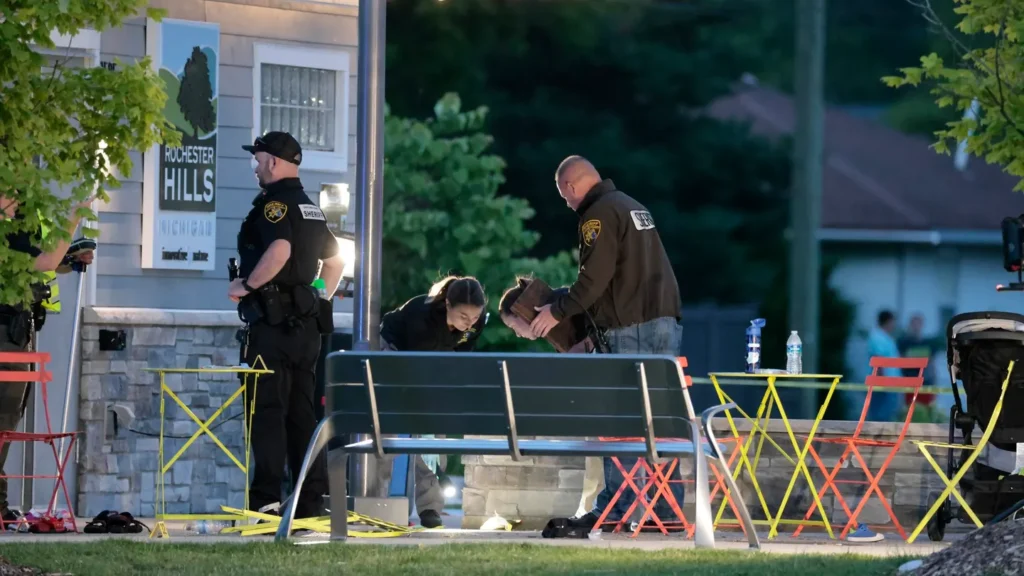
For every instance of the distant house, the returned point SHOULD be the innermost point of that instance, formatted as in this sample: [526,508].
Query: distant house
[914,233]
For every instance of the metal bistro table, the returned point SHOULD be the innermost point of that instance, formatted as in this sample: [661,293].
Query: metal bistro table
[250,376]
[758,427]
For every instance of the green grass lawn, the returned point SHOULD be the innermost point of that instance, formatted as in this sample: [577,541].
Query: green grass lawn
[114,558]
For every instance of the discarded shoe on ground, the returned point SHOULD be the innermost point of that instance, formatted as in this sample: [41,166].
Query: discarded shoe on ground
[114,522]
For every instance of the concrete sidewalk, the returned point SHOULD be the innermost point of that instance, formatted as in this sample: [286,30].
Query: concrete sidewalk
[810,544]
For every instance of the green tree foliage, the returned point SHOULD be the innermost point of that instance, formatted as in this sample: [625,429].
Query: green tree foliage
[196,95]
[621,83]
[986,68]
[443,214]
[60,127]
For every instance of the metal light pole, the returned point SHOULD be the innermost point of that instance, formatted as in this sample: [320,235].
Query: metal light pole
[369,199]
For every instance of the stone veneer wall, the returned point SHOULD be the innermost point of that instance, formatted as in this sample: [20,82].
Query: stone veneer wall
[537,489]
[119,472]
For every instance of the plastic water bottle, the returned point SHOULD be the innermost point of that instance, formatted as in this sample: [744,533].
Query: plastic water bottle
[206,527]
[754,345]
[794,354]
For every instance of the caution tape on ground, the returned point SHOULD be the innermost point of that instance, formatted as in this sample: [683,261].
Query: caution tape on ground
[269,524]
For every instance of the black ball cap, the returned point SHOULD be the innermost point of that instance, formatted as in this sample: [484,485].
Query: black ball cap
[279,144]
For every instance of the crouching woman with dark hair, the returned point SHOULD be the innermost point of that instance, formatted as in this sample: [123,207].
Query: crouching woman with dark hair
[449,318]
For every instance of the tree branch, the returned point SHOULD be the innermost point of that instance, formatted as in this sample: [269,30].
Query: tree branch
[962,50]
[1000,38]
[930,16]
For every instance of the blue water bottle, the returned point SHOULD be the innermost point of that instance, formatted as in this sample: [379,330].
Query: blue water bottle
[754,345]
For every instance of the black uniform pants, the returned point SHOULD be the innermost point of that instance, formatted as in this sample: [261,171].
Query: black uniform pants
[13,399]
[285,416]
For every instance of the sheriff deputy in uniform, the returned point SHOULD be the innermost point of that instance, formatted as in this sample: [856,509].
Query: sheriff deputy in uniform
[19,324]
[281,245]
[625,281]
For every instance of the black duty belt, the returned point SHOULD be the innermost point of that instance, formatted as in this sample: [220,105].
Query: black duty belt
[272,303]
[8,317]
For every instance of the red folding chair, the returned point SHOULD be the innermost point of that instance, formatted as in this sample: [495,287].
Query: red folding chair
[855,442]
[656,477]
[40,376]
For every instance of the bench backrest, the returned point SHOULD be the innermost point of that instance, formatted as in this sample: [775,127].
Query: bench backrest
[567,395]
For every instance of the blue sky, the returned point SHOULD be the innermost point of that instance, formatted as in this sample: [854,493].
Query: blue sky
[178,40]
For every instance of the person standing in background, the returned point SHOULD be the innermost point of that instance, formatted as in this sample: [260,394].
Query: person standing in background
[884,405]
[914,344]
[18,328]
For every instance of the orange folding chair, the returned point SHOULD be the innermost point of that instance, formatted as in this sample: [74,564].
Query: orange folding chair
[38,374]
[855,442]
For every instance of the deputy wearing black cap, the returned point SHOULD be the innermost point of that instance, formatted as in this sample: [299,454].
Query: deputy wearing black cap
[281,245]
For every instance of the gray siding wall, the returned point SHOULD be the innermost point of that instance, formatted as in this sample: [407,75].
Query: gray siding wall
[121,281]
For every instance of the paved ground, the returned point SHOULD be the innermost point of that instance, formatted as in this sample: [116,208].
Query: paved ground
[811,544]
[806,544]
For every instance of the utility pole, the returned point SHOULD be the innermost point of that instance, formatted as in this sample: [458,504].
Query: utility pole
[369,205]
[805,200]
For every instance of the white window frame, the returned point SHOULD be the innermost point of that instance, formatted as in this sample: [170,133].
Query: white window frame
[308,57]
[85,44]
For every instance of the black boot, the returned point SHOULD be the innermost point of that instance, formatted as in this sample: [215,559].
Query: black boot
[430,519]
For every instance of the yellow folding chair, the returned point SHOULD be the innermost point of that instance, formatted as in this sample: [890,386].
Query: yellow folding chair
[952,483]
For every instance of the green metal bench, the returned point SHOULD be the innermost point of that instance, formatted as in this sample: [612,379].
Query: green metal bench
[510,396]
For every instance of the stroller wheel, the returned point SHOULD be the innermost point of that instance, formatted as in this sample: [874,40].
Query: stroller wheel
[937,525]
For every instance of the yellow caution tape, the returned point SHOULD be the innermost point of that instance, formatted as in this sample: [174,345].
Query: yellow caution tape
[320,524]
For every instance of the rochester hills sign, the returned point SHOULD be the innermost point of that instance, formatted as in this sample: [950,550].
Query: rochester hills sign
[188,174]
[180,198]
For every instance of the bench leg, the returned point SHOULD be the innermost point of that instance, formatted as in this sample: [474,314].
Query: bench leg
[733,490]
[337,475]
[321,436]
[704,536]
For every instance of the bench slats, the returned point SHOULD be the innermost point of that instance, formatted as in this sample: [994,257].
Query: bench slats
[452,423]
[491,400]
[499,447]
[544,371]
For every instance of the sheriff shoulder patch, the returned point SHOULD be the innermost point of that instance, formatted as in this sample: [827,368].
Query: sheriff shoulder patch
[311,212]
[275,211]
[642,219]
[591,229]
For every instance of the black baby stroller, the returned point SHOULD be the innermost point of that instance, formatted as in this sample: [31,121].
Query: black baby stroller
[980,346]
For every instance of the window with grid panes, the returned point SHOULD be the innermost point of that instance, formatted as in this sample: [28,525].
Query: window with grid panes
[300,101]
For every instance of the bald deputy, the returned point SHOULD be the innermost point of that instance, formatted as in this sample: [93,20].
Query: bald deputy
[625,283]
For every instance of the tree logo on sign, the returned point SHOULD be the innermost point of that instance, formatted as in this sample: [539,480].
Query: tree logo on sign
[196,94]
